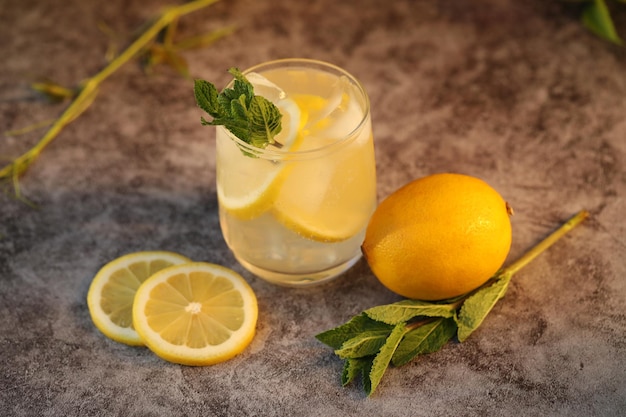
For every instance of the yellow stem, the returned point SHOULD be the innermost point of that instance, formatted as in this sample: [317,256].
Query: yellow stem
[546,243]
[168,40]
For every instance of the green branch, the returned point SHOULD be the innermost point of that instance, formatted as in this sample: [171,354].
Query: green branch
[89,89]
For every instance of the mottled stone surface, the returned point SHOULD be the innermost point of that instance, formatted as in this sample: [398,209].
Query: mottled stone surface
[514,92]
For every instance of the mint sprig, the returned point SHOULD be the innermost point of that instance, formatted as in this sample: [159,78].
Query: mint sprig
[252,118]
[395,334]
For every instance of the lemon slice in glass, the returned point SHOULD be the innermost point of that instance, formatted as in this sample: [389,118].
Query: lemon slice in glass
[340,186]
[333,209]
[111,293]
[196,313]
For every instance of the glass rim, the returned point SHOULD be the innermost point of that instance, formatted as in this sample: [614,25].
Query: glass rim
[278,154]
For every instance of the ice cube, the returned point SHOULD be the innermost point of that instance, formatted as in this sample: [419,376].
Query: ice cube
[332,102]
[266,88]
[342,115]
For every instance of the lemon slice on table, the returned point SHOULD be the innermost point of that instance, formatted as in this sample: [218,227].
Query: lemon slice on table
[111,293]
[195,314]
[248,187]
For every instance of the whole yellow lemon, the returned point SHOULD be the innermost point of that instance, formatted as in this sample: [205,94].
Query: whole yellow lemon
[438,237]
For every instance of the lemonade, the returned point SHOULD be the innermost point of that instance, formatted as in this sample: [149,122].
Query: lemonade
[295,212]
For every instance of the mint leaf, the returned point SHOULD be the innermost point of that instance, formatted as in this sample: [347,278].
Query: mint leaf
[366,343]
[355,367]
[265,121]
[207,98]
[424,339]
[335,338]
[382,359]
[253,119]
[242,87]
[407,309]
[478,305]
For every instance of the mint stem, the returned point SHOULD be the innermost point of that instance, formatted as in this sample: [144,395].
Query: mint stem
[546,243]
[416,324]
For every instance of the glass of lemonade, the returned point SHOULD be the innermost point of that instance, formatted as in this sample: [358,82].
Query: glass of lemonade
[295,212]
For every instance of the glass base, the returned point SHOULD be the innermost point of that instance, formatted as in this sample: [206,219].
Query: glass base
[300,280]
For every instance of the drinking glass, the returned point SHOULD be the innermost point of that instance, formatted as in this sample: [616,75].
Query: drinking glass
[295,212]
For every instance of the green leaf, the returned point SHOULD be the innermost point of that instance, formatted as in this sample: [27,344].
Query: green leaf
[367,343]
[335,338]
[239,117]
[383,358]
[427,338]
[597,18]
[407,309]
[355,367]
[241,87]
[477,306]
[207,98]
[265,121]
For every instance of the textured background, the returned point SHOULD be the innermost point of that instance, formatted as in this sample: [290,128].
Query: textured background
[517,93]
